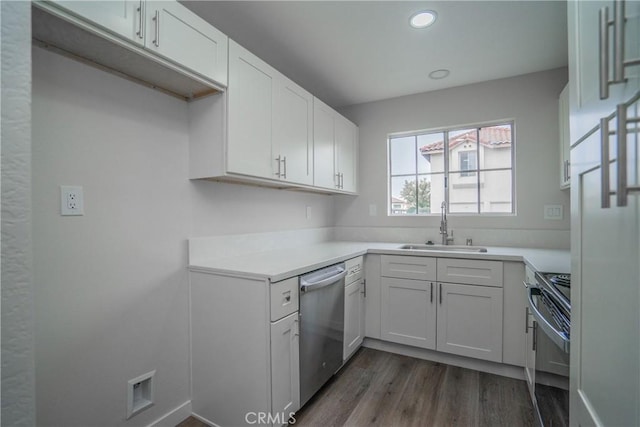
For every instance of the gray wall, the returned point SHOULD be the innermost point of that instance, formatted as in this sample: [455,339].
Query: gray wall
[18,387]
[112,285]
[532,100]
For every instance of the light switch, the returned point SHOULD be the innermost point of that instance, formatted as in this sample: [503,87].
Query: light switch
[553,212]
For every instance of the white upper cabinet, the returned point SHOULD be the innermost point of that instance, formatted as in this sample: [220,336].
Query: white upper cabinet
[160,44]
[335,148]
[176,33]
[596,86]
[346,149]
[293,132]
[323,145]
[270,121]
[250,106]
[124,18]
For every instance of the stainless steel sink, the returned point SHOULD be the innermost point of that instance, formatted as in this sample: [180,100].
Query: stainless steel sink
[444,248]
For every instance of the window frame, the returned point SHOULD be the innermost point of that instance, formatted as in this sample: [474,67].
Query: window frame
[447,173]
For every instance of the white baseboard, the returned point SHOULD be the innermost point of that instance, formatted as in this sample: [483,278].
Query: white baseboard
[510,371]
[174,417]
[204,420]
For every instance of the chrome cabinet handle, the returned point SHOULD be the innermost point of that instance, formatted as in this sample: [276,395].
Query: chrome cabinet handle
[622,186]
[567,174]
[621,143]
[278,174]
[284,174]
[338,178]
[431,300]
[440,293]
[618,41]
[156,18]
[604,163]
[603,16]
[534,345]
[526,320]
[140,32]
[364,288]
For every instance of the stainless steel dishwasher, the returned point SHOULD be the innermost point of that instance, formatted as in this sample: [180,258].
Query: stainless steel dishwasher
[321,327]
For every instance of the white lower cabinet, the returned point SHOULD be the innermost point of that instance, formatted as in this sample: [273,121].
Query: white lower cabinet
[244,362]
[470,321]
[408,312]
[462,319]
[353,317]
[285,367]
[354,300]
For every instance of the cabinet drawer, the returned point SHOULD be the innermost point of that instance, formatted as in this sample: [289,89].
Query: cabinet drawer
[409,267]
[470,271]
[354,268]
[284,298]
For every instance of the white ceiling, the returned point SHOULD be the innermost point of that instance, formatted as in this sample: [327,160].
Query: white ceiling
[350,52]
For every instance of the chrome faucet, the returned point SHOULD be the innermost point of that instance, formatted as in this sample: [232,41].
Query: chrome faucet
[446,239]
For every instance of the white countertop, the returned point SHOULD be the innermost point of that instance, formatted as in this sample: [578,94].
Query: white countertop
[275,265]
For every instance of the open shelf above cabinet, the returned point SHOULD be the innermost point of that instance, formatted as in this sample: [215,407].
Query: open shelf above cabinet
[69,35]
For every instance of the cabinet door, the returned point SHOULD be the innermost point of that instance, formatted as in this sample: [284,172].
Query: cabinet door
[564,138]
[293,131]
[584,64]
[530,351]
[285,367]
[124,18]
[346,153]
[409,312]
[176,33]
[353,319]
[250,104]
[605,293]
[323,145]
[470,321]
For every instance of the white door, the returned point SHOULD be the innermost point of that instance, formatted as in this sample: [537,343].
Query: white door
[470,321]
[250,98]
[353,319]
[346,146]
[124,18]
[285,367]
[323,145]
[605,291]
[178,34]
[293,131]
[409,312]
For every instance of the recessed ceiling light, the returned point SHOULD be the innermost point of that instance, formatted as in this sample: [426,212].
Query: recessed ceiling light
[439,74]
[423,19]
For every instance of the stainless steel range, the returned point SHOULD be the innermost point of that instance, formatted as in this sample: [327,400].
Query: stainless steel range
[550,306]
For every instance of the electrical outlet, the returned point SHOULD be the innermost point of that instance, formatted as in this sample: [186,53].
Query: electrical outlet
[71,200]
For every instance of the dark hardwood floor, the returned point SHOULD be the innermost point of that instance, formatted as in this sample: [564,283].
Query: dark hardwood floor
[383,389]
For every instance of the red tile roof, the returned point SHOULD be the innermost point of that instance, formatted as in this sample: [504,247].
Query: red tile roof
[489,137]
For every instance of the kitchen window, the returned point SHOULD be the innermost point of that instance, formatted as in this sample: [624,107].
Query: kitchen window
[470,168]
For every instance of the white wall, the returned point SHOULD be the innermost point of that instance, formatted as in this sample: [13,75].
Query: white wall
[111,286]
[18,382]
[532,100]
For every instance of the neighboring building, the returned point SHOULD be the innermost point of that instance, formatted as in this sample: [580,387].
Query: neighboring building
[465,186]
[399,206]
